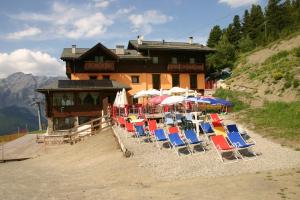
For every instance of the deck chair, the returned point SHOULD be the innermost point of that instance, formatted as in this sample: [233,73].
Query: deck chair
[175,141]
[207,129]
[192,138]
[122,122]
[219,128]
[140,130]
[237,141]
[169,121]
[222,146]
[215,117]
[152,126]
[130,128]
[189,116]
[178,117]
[186,124]
[160,136]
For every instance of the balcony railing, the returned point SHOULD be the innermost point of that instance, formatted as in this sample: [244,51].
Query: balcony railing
[183,67]
[92,66]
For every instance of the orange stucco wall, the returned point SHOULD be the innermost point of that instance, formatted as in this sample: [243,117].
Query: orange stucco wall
[145,80]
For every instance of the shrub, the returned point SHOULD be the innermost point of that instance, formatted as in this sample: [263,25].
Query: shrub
[277,75]
[297,51]
[287,84]
[296,83]
[276,57]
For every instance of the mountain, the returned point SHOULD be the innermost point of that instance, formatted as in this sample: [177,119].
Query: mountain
[17,107]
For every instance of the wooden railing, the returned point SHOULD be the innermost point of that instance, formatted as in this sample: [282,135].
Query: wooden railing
[78,132]
[183,67]
[92,66]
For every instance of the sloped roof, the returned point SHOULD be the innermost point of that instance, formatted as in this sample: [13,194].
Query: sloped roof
[163,45]
[83,85]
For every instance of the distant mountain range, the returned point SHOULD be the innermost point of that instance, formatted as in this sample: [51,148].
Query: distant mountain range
[17,93]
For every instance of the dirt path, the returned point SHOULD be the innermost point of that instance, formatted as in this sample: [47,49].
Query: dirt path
[95,169]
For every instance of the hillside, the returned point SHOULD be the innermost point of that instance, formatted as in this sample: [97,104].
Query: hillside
[16,96]
[271,73]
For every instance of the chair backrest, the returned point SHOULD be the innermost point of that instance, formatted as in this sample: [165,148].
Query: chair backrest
[175,139]
[236,139]
[139,123]
[191,135]
[178,116]
[140,130]
[232,128]
[122,120]
[220,142]
[129,127]
[152,125]
[160,134]
[206,127]
[173,130]
[220,130]
[169,120]
[216,123]
[215,117]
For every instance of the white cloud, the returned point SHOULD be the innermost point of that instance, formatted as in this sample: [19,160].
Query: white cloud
[144,22]
[29,32]
[27,61]
[238,3]
[70,21]
[101,3]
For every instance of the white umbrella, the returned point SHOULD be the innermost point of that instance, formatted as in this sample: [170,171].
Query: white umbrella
[177,90]
[139,94]
[153,92]
[116,100]
[123,99]
[173,100]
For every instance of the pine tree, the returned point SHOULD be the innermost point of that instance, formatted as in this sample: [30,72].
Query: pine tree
[245,24]
[214,36]
[273,19]
[256,23]
[234,35]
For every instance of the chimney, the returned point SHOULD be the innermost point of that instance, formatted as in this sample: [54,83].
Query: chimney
[120,50]
[73,48]
[190,41]
[140,39]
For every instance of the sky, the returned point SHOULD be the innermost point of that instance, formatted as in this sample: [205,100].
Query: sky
[33,33]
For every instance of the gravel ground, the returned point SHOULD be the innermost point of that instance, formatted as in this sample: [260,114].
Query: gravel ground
[165,164]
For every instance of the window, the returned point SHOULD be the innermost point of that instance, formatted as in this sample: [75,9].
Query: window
[63,99]
[106,77]
[135,100]
[135,79]
[99,59]
[192,60]
[174,60]
[156,81]
[155,60]
[193,81]
[175,80]
[93,77]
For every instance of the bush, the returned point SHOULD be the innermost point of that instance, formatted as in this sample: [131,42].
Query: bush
[276,57]
[277,75]
[296,83]
[287,84]
[297,51]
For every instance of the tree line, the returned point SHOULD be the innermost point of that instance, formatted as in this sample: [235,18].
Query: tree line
[257,27]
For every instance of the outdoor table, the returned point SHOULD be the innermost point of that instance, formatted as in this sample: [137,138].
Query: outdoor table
[196,114]
[197,123]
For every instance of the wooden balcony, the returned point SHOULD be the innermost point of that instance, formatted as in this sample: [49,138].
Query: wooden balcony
[92,66]
[183,67]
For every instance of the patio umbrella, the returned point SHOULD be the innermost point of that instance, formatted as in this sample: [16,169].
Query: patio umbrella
[123,98]
[153,92]
[157,100]
[139,94]
[197,100]
[223,102]
[116,100]
[172,100]
[177,90]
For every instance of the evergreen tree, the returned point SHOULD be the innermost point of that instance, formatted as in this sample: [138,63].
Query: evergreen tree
[214,36]
[256,23]
[246,44]
[234,31]
[245,24]
[273,17]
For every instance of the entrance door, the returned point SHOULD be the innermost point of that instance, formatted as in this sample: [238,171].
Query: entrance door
[156,81]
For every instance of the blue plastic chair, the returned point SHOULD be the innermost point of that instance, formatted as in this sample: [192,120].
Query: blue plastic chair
[207,129]
[160,135]
[237,141]
[139,131]
[232,128]
[177,142]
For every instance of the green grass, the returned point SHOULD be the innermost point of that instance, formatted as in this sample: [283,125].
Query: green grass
[38,132]
[234,97]
[280,118]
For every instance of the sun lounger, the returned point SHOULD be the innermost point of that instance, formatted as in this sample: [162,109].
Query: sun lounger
[178,117]
[192,138]
[237,141]
[160,136]
[207,129]
[215,117]
[219,128]
[175,141]
[140,130]
[169,119]
[130,128]
[121,121]
[222,146]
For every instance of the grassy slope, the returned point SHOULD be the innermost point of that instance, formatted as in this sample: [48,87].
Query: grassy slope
[272,81]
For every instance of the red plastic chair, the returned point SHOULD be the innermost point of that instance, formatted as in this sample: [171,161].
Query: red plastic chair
[222,146]
[122,121]
[215,117]
[130,127]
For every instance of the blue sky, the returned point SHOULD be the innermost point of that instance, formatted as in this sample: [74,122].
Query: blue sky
[33,32]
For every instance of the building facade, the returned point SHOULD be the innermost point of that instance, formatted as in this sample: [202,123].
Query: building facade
[97,73]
